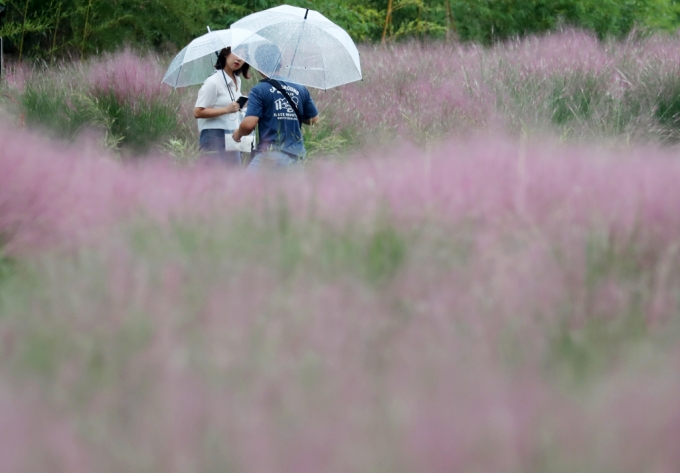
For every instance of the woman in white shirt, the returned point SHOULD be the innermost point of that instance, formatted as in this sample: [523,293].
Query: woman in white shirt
[216,107]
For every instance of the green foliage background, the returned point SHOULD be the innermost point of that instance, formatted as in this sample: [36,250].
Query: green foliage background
[62,28]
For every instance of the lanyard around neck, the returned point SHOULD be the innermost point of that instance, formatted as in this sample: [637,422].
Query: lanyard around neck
[228,88]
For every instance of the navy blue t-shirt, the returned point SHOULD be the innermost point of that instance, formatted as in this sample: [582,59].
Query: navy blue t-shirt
[278,125]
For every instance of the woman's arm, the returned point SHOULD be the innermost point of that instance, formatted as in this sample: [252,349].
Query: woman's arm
[200,112]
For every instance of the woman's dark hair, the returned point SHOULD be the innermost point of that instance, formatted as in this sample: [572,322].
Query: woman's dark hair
[244,70]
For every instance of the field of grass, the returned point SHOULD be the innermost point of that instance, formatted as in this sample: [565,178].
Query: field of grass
[478,271]
[565,84]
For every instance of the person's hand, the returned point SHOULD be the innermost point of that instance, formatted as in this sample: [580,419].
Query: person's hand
[237,136]
[232,108]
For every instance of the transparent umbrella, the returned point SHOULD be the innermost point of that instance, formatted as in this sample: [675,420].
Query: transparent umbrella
[196,62]
[298,45]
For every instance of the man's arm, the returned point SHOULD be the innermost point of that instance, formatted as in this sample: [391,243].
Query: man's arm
[246,128]
[311,121]
[311,112]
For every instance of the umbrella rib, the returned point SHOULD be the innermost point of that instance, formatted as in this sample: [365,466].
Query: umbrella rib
[198,50]
[358,70]
[323,62]
[178,74]
[302,27]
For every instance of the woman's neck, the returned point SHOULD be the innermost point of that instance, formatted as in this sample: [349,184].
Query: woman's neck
[230,73]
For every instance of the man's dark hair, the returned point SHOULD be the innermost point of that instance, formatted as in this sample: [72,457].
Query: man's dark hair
[222,62]
[268,54]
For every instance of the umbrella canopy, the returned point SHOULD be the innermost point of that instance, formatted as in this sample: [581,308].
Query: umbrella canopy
[297,45]
[196,62]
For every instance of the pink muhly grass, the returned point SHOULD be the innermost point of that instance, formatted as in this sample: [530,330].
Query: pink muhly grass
[399,85]
[555,54]
[33,438]
[426,91]
[15,75]
[48,193]
[202,317]
[62,191]
[131,78]
[233,336]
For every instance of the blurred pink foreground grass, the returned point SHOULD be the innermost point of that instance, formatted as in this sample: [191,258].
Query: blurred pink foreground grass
[492,305]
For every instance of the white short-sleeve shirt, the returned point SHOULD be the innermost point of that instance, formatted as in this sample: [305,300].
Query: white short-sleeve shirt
[215,93]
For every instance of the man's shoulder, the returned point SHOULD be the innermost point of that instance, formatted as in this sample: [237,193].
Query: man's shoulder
[262,85]
[292,88]
[259,89]
[293,85]
[285,84]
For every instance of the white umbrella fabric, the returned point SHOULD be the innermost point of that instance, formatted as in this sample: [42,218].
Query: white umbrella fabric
[196,62]
[310,49]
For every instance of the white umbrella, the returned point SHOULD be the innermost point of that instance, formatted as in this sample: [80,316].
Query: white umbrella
[309,48]
[196,62]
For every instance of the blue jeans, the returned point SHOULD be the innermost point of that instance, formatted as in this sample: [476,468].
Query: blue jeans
[273,159]
[211,142]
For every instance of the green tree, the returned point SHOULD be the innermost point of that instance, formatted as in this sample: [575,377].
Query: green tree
[50,28]
[489,20]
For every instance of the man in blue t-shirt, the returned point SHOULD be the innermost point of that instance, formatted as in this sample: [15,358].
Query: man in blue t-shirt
[281,143]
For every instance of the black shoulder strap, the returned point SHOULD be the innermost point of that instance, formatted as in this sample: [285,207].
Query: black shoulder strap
[278,87]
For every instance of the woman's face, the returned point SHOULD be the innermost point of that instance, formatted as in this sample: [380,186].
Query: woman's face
[234,62]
